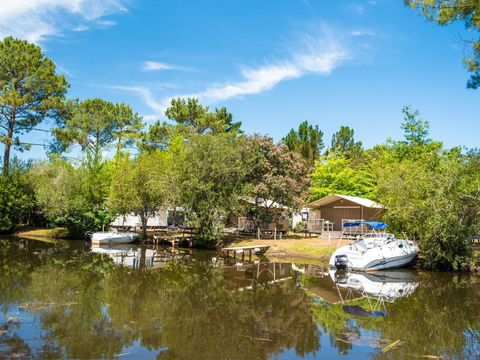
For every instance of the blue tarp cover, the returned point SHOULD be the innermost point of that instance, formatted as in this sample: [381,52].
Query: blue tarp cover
[372,224]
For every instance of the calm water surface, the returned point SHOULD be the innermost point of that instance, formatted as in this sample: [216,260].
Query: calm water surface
[67,300]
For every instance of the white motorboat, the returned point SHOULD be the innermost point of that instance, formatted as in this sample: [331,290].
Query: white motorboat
[113,237]
[374,251]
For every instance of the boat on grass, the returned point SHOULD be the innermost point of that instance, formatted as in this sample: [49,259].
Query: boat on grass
[376,250]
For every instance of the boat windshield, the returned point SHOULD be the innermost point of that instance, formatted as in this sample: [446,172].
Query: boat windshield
[370,241]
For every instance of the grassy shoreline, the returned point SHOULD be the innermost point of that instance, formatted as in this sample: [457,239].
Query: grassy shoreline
[306,250]
[43,233]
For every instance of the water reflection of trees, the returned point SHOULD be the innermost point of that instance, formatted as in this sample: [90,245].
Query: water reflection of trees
[90,309]
[442,318]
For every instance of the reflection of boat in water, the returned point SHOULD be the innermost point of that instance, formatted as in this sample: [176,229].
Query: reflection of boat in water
[113,237]
[140,257]
[374,251]
[377,288]
[130,256]
[388,285]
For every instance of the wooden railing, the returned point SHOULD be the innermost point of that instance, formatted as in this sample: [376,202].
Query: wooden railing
[315,226]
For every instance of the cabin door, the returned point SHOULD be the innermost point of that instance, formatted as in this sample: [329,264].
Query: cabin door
[343,213]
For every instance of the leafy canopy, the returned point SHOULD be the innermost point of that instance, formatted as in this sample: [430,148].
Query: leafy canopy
[30,92]
[344,144]
[307,141]
[209,189]
[338,175]
[94,124]
[195,117]
[138,185]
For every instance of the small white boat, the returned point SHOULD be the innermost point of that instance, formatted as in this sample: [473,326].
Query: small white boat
[113,237]
[374,251]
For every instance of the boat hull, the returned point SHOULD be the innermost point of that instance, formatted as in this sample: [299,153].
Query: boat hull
[390,256]
[396,262]
[113,238]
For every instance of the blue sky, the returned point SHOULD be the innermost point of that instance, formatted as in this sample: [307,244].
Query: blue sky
[272,63]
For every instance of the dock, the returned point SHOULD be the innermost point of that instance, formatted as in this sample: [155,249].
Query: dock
[241,250]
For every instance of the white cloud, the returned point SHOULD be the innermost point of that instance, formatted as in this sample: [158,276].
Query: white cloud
[81,27]
[318,55]
[158,66]
[36,20]
[146,95]
[358,33]
[315,55]
[154,66]
[255,81]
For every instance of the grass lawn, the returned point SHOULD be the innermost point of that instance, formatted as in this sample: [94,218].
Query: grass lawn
[43,233]
[301,249]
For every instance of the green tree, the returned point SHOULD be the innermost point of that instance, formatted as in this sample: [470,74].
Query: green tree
[209,189]
[30,92]
[95,124]
[428,198]
[416,129]
[338,175]
[307,141]
[17,199]
[194,117]
[276,175]
[68,197]
[157,137]
[445,12]
[344,144]
[138,185]
[431,194]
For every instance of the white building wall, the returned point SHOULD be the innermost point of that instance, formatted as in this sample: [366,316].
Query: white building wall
[159,219]
[300,216]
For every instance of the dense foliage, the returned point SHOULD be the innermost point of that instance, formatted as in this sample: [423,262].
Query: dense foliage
[70,196]
[17,201]
[431,194]
[201,161]
[307,141]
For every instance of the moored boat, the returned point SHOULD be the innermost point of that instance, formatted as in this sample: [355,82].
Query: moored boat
[113,237]
[374,251]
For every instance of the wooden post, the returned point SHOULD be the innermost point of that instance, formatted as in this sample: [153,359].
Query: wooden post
[258,233]
[275,233]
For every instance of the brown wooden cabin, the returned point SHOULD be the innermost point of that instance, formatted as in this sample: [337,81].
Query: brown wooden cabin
[331,212]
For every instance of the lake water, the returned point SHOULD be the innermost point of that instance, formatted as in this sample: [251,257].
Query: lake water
[63,300]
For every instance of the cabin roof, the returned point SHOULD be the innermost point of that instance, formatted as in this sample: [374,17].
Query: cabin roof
[335,197]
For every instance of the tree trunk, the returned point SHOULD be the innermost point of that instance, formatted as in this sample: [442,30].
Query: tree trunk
[8,145]
[144,219]
[143,254]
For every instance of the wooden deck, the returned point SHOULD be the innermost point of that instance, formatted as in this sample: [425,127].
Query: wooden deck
[241,250]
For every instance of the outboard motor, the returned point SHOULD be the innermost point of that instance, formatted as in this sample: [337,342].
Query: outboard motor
[341,262]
